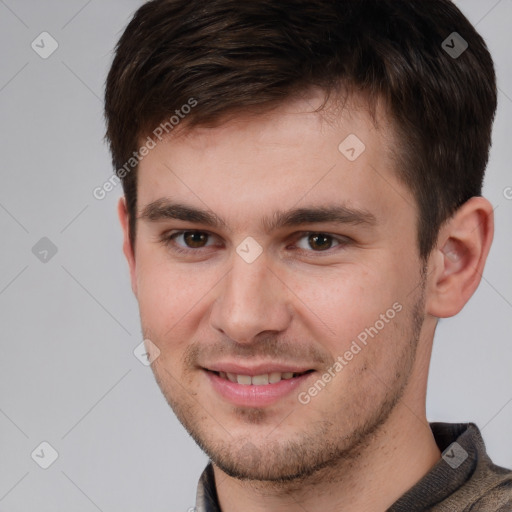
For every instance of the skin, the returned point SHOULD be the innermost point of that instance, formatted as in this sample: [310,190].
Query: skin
[364,439]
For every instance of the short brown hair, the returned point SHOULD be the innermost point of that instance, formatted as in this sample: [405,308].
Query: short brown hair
[230,56]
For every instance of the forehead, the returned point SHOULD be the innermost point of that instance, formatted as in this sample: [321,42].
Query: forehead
[291,156]
[286,125]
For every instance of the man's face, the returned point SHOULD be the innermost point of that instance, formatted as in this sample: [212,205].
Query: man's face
[321,291]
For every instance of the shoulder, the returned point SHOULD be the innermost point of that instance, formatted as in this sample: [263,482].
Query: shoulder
[497,495]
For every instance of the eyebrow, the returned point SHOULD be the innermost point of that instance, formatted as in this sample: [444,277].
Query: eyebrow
[164,209]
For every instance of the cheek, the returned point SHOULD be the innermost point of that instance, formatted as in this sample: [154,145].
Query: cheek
[346,300]
[171,297]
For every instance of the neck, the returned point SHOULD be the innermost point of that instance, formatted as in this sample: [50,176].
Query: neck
[390,462]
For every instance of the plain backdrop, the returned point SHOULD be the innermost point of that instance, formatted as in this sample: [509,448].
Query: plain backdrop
[69,322]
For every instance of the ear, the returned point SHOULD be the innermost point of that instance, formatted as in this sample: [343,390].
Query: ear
[458,261]
[122,212]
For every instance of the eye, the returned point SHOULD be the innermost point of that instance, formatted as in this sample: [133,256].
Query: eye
[319,242]
[191,240]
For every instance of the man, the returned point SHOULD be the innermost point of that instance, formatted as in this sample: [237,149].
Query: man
[302,204]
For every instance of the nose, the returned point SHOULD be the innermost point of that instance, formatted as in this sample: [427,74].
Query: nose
[251,299]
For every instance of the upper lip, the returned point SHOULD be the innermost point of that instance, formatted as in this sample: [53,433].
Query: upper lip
[260,369]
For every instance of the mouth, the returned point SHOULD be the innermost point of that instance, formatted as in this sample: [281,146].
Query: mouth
[259,380]
[257,390]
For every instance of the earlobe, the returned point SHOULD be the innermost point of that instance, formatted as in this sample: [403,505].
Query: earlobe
[123,215]
[458,260]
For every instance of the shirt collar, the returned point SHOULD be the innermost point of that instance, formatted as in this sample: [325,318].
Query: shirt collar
[467,434]
[206,497]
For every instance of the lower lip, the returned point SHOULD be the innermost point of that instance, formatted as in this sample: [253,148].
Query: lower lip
[253,395]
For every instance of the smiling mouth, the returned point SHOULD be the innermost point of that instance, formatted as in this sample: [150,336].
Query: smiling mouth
[258,380]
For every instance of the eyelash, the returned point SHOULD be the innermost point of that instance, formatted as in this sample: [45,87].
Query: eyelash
[168,240]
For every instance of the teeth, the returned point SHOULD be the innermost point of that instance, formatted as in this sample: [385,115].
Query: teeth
[243,379]
[258,380]
[274,377]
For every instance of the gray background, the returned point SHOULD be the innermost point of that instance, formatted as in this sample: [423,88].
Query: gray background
[69,325]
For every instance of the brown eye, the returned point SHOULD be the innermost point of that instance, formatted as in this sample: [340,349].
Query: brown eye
[320,241]
[195,239]
[190,242]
